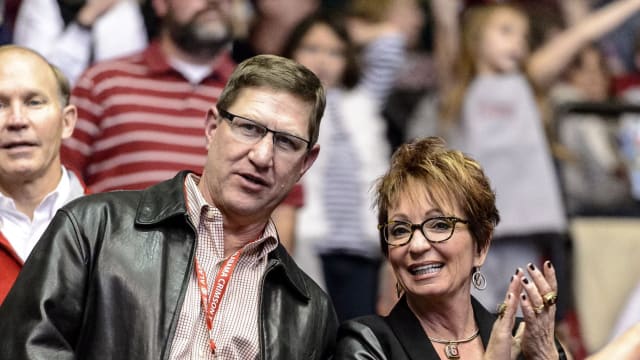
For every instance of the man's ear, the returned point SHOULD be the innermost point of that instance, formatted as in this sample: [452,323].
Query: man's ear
[211,123]
[309,159]
[69,118]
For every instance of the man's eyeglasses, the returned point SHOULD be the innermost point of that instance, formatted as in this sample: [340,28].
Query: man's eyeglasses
[250,131]
[435,230]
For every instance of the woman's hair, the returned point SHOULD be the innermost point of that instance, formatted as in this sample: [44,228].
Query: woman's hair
[280,74]
[448,176]
[335,22]
[465,68]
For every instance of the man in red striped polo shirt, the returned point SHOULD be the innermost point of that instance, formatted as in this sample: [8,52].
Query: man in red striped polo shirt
[141,118]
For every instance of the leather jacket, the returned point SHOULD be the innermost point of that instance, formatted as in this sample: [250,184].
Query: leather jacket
[108,278]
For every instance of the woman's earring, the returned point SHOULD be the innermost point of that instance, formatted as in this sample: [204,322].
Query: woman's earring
[478,279]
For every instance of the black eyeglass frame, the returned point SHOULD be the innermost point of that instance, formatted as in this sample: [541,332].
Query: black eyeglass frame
[413,227]
[229,117]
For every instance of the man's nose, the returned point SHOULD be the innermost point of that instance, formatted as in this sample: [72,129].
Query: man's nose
[16,117]
[263,151]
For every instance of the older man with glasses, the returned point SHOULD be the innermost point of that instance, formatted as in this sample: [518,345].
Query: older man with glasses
[191,267]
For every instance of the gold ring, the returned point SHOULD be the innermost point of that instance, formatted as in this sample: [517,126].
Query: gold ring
[538,309]
[501,309]
[550,298]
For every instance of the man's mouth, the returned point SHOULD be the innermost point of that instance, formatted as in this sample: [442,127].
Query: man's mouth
[17,144]
[210,13]
[254,179]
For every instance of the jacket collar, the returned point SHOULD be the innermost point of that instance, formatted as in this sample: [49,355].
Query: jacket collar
[406,327]
[166,200]
[281,259]
[162,201]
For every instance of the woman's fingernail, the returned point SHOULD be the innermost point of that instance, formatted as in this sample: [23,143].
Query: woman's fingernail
[517,271]
[549,264]
[532,267]
[525,281]
[509,296]
[511,280]
[524,297]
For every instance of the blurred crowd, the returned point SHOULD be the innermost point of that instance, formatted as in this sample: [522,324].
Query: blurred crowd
[545,94]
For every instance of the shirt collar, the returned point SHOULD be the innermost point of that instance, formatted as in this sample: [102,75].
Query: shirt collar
[197,205]
[51,202]
[6,202]
[159,63]
[58,197]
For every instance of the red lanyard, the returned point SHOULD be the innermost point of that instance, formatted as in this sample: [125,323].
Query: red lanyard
[211,303]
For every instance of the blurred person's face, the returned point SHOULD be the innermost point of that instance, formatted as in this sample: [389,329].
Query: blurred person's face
[591,76]
[286,11]
[428,270]
[32,120]
[408,16]
[198,27]
[248,179]
[503,44]
[323,52]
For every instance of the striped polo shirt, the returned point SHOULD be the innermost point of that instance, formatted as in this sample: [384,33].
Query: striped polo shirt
[140,121]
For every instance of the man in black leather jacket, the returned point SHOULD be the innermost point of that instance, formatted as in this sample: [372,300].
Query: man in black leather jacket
[122,275]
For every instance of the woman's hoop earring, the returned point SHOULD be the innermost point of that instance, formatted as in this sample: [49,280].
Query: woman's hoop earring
[478,279]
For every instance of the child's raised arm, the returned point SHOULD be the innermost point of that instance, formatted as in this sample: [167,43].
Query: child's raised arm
[546,63]
[447,37]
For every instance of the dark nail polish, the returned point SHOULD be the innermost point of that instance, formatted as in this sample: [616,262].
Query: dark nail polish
[549,264]
[532,267]
[517,271]
[509,296]
[525,281]
[524,297]
[511,280]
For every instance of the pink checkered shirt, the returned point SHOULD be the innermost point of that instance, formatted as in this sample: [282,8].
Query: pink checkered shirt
[235,327]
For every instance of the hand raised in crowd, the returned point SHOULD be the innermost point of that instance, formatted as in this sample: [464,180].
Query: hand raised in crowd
[363,31]
[92,10]
[502,344]
[446,10]
[538,309]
